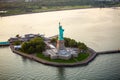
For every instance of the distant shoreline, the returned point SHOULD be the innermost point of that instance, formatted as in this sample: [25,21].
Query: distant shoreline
[46,10]
[52,10]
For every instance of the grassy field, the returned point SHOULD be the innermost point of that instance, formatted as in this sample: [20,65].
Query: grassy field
[81,57]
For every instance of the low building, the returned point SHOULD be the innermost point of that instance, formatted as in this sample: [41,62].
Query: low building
[23,39]
[17,47]
[31,36]
[13,40]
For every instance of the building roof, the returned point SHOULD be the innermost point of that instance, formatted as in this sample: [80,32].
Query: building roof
[17,46]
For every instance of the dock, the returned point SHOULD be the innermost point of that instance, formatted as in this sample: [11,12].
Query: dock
[109,52]
[4,43]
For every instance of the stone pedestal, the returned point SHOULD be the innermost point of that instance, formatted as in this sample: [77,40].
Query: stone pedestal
[60,45]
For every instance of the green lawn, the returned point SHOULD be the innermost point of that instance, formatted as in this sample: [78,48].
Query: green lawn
[81,57]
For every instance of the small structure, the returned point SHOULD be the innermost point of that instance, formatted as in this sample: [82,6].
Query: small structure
[17,47]
[31,36]
[13,40]
[27,37]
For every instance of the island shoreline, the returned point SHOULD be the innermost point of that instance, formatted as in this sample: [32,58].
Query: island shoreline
[46,11]
[91,57]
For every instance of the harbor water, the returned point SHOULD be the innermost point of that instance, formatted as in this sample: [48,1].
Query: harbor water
[98,28]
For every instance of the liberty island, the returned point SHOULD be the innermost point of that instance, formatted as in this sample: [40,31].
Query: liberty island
[55,51]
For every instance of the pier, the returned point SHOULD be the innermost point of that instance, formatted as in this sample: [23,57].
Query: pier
[109,52]
[4,43]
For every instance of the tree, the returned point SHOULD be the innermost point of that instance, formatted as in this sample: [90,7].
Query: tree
[25,47]
[82,46]
[67,40]
[72,43]
[17,42]
[54,40]
[18,36]
[31,50]
[34,46]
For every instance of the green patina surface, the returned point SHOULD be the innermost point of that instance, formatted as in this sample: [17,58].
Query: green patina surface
[61,30]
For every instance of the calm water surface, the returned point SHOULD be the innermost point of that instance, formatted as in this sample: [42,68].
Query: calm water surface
[98,28]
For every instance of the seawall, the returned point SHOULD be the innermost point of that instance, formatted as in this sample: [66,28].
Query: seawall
[81,63]
[109,52]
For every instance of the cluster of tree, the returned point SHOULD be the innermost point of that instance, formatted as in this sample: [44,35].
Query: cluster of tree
[17,42]
[71,43]
[53,40]
[35,45]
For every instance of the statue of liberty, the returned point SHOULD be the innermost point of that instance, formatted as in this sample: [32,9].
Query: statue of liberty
[60,41]
[61,30]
